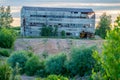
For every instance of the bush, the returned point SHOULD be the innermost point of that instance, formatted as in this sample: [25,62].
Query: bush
[32,65]
[47,31]
[63,33]
[5,52]
[55,77]
[80,61]
[5,71]
[15,73]
[19,57]
[7,38]
[55,64]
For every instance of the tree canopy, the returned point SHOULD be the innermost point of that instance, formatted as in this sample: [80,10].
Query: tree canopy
[5,17]
[109,58]
[103,25]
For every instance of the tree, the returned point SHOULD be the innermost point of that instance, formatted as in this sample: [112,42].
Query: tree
[63,33]
[47,31]
[55,32]
[103,25]
[109,58]
[5,17]
[117,22]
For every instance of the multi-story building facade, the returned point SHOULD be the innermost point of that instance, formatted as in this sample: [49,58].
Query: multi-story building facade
[73,21]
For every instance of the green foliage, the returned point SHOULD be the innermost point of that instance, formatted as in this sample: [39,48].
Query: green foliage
[109,58]
[7,38]
[5,52]
[55,77]
[55,32]
[5,17]
[80,61]
[19,57]
[15,73]
[55,64]
[16,29]
[49,31]
[98,76]
[44,55]
[117,21]
[46,31]
[38,79]
[32,65]
[63,33]
[5,71]
[103,25]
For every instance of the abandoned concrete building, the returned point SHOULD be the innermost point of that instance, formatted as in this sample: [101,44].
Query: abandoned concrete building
[79,22]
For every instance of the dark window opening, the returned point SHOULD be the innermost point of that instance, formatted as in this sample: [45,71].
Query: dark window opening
[68,34]
[44,16]
[84,12]
[75,12]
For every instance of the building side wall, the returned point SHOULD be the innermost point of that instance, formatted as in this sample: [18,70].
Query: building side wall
[71,22]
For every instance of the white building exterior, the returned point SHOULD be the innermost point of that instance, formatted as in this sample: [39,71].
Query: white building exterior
[72,20]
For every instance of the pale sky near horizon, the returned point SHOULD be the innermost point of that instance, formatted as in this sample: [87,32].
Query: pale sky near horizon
[111,7]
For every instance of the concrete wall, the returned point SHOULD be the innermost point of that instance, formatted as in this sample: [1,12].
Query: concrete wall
[74,23]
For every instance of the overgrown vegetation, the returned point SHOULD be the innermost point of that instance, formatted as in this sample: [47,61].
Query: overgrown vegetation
[5,17]
[32,65]
[5,71]
[5,52]
[49,31]
[80,61]
[63,33]
[109,58]
[55,77]
[104,25]
[7,38]
[19,57]
[55,64]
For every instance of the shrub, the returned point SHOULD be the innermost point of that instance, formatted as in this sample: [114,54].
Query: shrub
[55,77]
[80,61]
[5,52]
[47,31]
[63,33]
[19,57]
[7,38]
[32,65]
[5,71]
[55,64]
[15,73]
[98,76]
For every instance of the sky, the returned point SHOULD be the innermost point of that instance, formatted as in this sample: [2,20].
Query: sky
[111,7]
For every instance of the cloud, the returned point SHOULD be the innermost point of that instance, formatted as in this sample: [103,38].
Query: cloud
[99,8]
[15,9]
[71,4]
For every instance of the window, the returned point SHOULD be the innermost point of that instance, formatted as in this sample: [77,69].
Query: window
[75,12]
[68,34]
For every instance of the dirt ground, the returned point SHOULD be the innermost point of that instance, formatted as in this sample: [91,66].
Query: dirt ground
[53,46]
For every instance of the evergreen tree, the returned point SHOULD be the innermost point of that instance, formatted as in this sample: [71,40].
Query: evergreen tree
[103,25]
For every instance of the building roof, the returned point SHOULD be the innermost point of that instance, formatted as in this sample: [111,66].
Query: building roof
[58,9]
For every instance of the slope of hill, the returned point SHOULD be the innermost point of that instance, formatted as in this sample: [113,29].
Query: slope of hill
[53,46]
